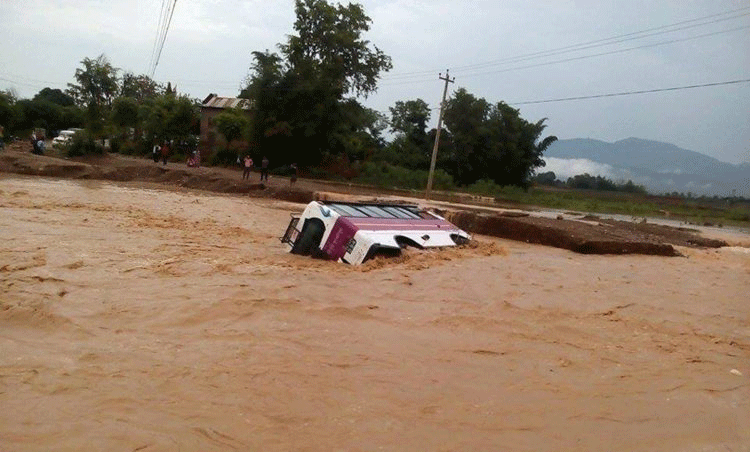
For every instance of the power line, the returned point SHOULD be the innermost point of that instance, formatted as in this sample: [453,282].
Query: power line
[611,52]
[20,83]
[164,38]
[629,93]
[164,26]
[159,28]
[393,80]
[603,42]
[670,28]
[565,60]
[582,57]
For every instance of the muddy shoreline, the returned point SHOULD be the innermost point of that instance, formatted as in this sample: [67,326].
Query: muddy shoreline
[586,237]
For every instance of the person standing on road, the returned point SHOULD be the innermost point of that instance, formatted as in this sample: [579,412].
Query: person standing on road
[293,178]
[164,152]
[155,152]
[264,169]
[248,167]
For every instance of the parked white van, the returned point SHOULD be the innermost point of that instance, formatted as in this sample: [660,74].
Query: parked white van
[64,137]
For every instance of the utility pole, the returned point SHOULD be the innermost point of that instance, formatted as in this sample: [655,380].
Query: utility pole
[437,134]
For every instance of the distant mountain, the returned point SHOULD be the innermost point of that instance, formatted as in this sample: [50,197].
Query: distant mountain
[660,167]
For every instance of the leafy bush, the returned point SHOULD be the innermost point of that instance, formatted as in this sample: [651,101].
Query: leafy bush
[224,156]
[489,187]
[388,176]
[738,214]
[115,145]
[83,143]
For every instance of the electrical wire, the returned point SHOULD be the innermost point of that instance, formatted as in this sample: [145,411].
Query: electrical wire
[655,31]
[422,76]
[167,22]
[578,58]
[630,93]
[612,52]
[159,31]
[599,43]
[161,47]
[156,39]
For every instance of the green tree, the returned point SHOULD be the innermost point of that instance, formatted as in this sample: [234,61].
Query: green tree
[169,117]
[268,92]
[466,118]
[517,146]
[232,124]
[410,118]
[98,83]
[124,117]
[40,113]
[546,178]
[56,96]
[11,115]
[139,87]
[411,146]
[97,87]
[72,116]
[492,142]
[329,47]
[300,110]
[125,112]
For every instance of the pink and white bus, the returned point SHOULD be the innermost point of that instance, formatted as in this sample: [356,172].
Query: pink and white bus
[355,232]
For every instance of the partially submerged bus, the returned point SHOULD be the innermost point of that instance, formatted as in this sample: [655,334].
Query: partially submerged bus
[356,232]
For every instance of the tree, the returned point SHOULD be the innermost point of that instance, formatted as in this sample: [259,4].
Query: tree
[329,47]
[546,178]
[168,117]
[232,124]
[410,119]
[466,117]
[517,146]
[40,113]
[266,88]
[10,113]
[300,110]
[139,87]
[411,147]
[97,83]
[492,142]
[265,74]
[56,96]
[125,112]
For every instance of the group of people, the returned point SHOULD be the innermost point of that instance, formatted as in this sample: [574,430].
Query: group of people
[37,143]
[248,166]
[160,151]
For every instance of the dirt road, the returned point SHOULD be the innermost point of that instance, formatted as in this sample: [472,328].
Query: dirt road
[134,317]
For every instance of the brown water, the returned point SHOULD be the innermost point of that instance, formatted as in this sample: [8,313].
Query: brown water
[136,318]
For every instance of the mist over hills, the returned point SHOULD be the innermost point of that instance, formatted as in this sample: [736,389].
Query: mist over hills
[660,167]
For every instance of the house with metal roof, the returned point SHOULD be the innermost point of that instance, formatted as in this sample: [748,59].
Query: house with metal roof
[212,106]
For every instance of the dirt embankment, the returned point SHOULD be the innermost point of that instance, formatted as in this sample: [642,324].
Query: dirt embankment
[589,235]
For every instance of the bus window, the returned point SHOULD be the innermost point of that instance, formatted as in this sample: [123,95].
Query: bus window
[346,211]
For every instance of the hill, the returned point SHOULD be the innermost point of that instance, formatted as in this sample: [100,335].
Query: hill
[661,167]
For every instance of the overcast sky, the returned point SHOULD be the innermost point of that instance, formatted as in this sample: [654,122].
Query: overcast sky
[209,44]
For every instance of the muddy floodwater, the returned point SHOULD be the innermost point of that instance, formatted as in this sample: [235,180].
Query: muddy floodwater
[136,318]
